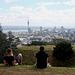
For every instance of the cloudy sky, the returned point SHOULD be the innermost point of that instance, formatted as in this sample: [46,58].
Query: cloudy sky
[40,12]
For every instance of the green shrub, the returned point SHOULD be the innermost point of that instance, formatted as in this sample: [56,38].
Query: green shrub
[63,51]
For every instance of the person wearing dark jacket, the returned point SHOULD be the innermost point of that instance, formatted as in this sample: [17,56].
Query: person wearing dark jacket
[42,58]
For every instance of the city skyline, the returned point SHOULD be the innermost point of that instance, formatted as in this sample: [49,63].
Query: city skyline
[49,13]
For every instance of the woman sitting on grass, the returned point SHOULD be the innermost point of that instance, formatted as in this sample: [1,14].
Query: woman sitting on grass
[10,60]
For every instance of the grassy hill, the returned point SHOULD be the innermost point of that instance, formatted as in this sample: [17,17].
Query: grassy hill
[32,70]
[29,61]
[29,53]
[47,47]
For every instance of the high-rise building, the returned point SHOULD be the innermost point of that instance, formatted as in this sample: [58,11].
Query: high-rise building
[62,29]
[0,27]
[9,34]
[54,30]
[40,29]
[69,30]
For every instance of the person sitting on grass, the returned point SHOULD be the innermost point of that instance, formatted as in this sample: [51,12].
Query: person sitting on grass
[10,60]
[42,58]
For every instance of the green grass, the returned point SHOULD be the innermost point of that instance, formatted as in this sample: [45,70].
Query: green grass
[29,53]
[23,68]
[47,47]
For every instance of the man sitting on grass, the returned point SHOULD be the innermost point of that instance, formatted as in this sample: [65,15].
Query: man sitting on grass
[42,58]
[10,60]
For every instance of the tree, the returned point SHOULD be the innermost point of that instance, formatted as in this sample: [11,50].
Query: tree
[4,44]
[39,43]
[14,42]
[18,40]
[57,40]
[63,51]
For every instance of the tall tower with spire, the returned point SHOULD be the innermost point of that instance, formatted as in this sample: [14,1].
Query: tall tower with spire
[29,30]
[28,22]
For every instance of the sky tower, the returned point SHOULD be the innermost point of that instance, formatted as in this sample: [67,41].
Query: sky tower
[28,22]
[29,30]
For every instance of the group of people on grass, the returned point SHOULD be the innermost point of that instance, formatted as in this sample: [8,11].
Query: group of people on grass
[41,56]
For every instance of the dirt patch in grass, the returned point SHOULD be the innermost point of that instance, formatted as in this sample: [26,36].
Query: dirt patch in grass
[28,72]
